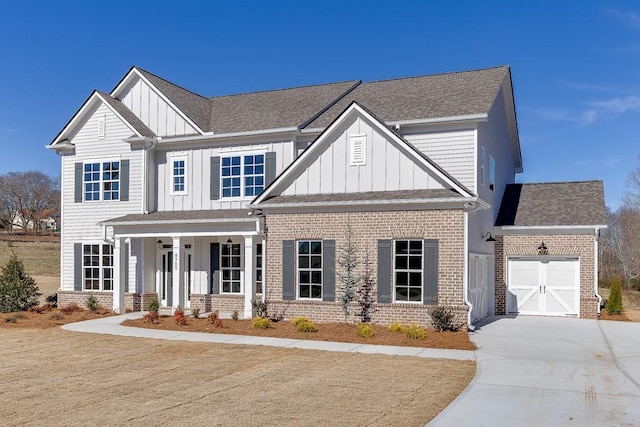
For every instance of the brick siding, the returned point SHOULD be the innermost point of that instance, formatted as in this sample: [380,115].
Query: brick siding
[132,302]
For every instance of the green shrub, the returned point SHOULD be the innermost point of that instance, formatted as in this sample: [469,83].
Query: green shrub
[297,320]
[614,304]
[365,330]
[415,332]
[18,290]
[235,316]
[397,327]
[52,300]
[443,319]
[261,323]
[306,326]
[154,305]
[92,303]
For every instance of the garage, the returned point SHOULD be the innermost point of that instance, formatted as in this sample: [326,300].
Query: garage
[546,286]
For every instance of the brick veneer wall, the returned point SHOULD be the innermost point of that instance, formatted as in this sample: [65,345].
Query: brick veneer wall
[367,228]
[581,246]
[132,302]
[225,304]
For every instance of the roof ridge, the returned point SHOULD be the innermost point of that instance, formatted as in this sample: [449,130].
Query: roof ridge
[171,83]
[283,89]
[440,74]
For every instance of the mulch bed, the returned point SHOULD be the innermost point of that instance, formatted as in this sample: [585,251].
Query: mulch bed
[48,319]
[604,315]
[339,332]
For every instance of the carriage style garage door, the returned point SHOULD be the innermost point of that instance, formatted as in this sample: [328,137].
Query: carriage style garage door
[544,286]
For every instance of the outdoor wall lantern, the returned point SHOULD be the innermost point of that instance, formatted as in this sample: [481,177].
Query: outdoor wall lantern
[229,242]
[542,249]
[488,237]
[159,243]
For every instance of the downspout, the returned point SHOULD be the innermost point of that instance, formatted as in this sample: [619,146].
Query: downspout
[595,269]
[145,166]
[469,207]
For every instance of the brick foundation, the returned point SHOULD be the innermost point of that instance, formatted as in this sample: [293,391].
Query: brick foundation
[225,304]
[133,302]
[581,246]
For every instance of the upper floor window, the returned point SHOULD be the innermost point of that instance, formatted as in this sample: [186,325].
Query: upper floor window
[242,175]
[102,181]
[492,173]
[408,270]
[178,175]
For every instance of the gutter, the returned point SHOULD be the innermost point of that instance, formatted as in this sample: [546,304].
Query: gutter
[452,200]
[211,135]
[465,266]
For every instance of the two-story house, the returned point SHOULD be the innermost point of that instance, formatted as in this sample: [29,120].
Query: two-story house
[214,202]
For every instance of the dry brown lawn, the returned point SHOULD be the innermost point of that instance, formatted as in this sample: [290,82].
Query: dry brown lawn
[630,304]
[55,377]
[326,332]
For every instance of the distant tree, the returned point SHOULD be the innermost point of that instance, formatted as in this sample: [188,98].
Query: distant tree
[28,195]
[18,290]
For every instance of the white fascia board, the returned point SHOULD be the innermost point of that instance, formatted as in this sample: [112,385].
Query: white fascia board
[181,234]
[353,109]
[373,205]
[211,135]
[449,119]
[135,71]
[547,229]
[81,113]
[178,222]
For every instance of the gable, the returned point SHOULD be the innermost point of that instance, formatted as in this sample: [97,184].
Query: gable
[358,154]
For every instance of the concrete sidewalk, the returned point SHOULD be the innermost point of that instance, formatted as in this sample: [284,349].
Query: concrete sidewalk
[545,371]
[111,325]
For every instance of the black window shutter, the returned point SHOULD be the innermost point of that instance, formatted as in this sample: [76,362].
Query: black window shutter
[329,270]
[77,266]
[269,168]
[430,273]
[215,269]
[384,271]
[288,270]
[77,190]
[124,180]
[214,179]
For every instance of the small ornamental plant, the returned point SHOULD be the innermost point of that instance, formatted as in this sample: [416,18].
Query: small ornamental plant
[70,308]
[397,327]
[235,316]
[415,332]
[261,323]
[179,317]
[92,303]
[614,303]
[195,312]
[154,305]
[152,317]
[297,320]
[214,319]
[365,330]
[306,326]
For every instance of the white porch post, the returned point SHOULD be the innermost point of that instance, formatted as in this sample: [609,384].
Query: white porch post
[118,276]
[264,268]
[178,299]
[249,275]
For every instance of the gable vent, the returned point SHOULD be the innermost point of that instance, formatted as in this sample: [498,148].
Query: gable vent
[102,126]
[358,150]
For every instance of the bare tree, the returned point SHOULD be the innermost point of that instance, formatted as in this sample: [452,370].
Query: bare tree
[620,244]
[29,196]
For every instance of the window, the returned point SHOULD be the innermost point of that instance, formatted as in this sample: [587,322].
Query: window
[259,268]
[102,181]
[482,164]
[178,175]
[230,267]
[408,265]
[242,175]
[492,173]
[97,267]
[310,269]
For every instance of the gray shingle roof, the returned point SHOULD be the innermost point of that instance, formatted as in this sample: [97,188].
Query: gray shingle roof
[553,204]
[433,96]
[128,115]
[196,107]
[366,196]
[275,109]
[184,216]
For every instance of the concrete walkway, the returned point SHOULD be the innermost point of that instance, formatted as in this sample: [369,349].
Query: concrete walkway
[544,371]
[111,325]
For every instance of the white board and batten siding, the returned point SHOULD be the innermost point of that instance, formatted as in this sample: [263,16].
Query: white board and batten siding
[198,171]
[80,220]
[453,150]
[155,112]
[387,165]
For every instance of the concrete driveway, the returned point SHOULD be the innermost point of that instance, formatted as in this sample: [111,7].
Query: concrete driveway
[545,371]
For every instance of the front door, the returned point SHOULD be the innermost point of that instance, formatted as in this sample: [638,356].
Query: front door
[479,287]
[165,278]
[545,286]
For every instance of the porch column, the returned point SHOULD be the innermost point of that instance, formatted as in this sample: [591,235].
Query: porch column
[264,268]
[249,275]
[178,299]
[118,276]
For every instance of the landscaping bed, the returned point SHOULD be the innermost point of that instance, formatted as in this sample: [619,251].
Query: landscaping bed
[339,332]
[51,318]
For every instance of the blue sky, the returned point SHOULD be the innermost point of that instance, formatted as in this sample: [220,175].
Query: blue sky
[574,64]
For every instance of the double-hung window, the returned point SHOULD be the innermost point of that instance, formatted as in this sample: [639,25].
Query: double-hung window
[97,267]
[230,263]
[178,175]
[408,270]
[310,269]
[242,175]
[259,268]
[101,181]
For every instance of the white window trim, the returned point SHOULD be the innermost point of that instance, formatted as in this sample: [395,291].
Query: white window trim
[242,154]
[492,173]
[422,272]
[101,181]
[298,269]
[177,158]
[354,141]
[482,164]
[100,267]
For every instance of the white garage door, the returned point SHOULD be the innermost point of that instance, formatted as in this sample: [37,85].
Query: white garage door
[549,286]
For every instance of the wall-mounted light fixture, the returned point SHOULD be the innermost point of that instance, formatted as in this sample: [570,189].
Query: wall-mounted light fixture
[542,249]
[159,244]
[229,242]
[488,237]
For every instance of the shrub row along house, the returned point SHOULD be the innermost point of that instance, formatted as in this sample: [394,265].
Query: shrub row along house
[207,202]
